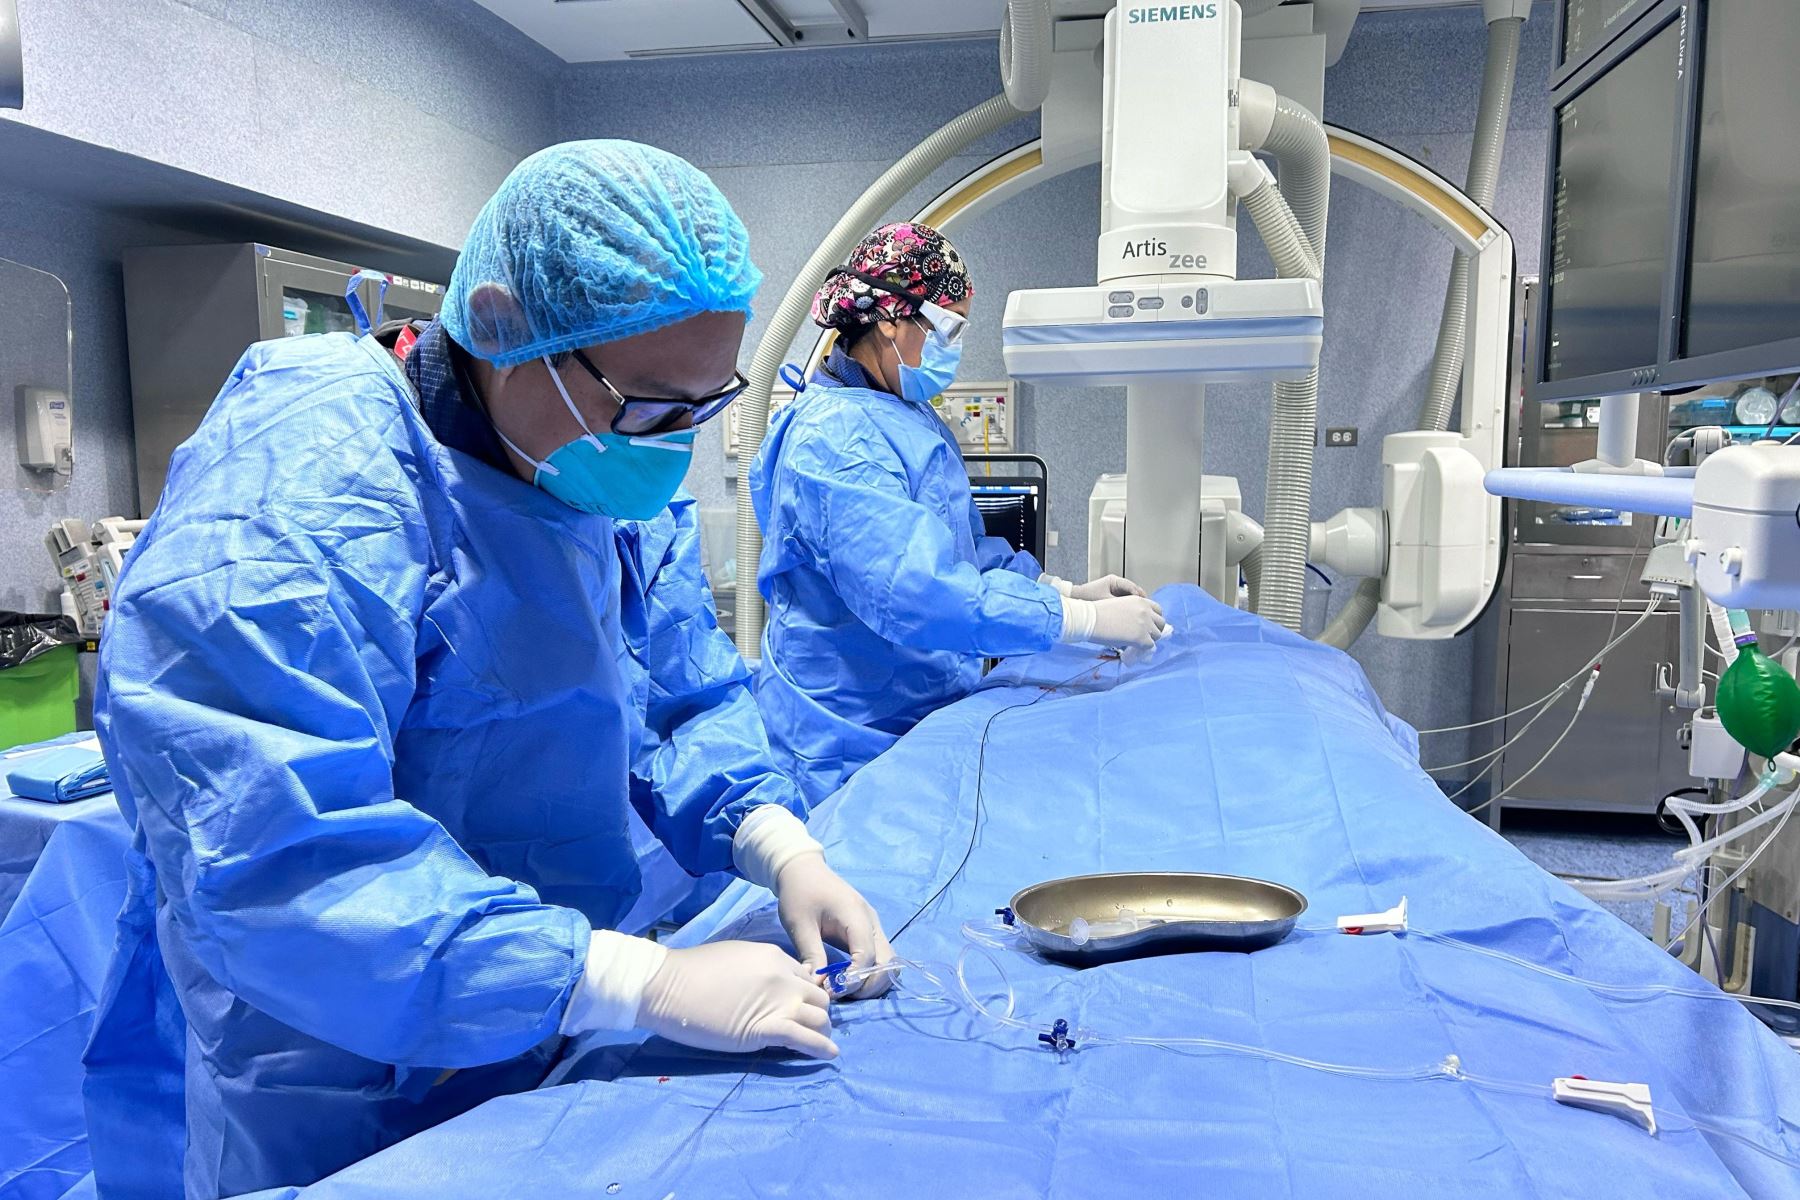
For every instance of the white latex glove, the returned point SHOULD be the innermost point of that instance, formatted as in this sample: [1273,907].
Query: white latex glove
[737,997]
[1095,589]
[816,906]
[1122,621]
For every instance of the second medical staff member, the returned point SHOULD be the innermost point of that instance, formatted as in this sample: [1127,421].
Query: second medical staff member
[884,593]
[363,704]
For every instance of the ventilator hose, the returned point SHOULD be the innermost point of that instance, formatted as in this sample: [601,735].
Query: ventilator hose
[1445,379]
[753,406]
[1025,49]
[1298,143]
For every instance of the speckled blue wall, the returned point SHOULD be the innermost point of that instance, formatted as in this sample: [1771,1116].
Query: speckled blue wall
[389,112]
[794,137]
[400,114]
[81,247]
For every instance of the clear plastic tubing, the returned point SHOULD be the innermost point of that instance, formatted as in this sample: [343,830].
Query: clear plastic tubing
[1064,1037]
[985,936]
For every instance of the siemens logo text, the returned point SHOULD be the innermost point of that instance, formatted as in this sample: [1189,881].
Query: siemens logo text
[1171,12]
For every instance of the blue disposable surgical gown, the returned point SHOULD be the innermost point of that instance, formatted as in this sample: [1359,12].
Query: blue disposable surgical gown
[366,705]
[673,654]
[884,595]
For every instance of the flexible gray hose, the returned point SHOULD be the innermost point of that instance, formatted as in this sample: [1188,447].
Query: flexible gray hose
[1355,616]
[1483,182]
[1025,49]
[1287,513]
[1303,155]
[1298,142]
[1445,380]
[1288,246]
[753,405]
[1252,568]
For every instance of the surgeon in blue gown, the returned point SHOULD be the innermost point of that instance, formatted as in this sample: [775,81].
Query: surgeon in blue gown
[378,716]
[884,594]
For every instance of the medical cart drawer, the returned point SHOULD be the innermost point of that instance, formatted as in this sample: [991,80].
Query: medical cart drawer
[1576,577]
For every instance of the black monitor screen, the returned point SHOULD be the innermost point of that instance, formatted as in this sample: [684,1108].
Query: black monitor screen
[1609,237]
[1012,513]
[1588,23]
[1744,269]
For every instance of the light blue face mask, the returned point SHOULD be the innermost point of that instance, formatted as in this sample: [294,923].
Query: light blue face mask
[631,478]
[938,361]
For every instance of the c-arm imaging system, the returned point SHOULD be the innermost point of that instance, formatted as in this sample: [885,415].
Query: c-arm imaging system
[1167,98]
[1168,315]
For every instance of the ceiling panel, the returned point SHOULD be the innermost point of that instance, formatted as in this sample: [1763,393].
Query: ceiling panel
[807,12]
[920,18]
[591,30]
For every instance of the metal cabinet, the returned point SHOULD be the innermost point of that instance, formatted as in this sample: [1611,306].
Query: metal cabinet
[192,311]
[1624,754]
[1570,584]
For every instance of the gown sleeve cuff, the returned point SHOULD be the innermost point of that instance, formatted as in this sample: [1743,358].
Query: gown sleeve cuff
[769,839]
[1062,586]
[1078,619]
[611,988]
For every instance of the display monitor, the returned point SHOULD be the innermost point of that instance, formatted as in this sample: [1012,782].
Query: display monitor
[1608,256]
[1743,277]
[1588,24]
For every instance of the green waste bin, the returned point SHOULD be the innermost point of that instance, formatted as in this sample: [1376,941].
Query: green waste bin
[39,678]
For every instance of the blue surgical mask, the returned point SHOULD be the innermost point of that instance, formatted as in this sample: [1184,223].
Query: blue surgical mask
[631,478]
[936,370]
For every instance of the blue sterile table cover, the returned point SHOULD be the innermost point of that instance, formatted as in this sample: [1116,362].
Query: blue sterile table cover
[1238,748]
[62,882]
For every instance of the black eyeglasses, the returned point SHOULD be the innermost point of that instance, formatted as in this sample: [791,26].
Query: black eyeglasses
[643,416]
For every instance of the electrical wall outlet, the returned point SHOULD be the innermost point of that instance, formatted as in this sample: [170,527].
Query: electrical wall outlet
[1340,436]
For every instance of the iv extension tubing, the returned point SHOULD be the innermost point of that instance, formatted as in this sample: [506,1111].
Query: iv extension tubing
[1558,692]
[1062,1037]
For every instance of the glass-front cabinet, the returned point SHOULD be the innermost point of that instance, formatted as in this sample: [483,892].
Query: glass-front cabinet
[192,311]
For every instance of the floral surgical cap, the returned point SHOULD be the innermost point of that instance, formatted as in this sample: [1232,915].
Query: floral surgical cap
[914,258]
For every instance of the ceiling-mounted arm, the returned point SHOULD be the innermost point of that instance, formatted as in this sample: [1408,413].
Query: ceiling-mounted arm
[851,27]
[856,22]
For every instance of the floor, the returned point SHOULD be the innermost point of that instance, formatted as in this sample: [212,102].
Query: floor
[1602,844]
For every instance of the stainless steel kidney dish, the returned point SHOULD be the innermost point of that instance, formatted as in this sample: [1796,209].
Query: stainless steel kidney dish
[1087,919]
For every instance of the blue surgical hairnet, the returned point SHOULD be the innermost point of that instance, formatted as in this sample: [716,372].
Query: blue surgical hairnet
[594,241]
